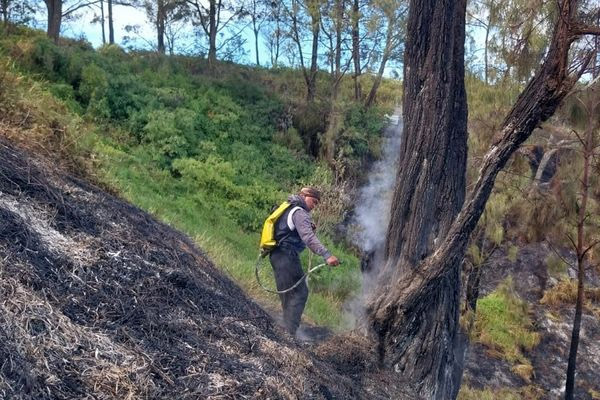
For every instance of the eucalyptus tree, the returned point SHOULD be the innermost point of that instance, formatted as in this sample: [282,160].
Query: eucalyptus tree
[335,24]
[301,14]
[485,14]
[415,312]
[214,18]
[393,15]
[57,10]
[259,12]
[164,15]
[274,32]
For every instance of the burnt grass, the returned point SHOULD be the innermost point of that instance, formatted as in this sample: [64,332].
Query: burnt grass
[99,300]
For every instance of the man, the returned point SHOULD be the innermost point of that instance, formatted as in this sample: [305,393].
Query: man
[294,231]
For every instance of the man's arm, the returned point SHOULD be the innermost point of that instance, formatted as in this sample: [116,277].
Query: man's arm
[303,224]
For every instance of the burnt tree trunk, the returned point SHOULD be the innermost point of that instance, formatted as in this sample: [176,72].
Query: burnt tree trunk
[429,192]
[416,315]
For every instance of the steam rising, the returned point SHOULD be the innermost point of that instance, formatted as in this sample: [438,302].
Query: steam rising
[371,215]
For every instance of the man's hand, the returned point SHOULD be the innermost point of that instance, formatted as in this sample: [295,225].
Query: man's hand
[332,261]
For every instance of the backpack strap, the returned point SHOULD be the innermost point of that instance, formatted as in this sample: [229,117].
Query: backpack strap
[290,221]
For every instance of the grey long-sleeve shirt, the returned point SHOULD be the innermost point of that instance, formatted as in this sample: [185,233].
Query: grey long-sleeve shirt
[304,225]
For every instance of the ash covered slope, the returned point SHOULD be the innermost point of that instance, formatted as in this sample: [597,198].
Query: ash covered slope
[98,300]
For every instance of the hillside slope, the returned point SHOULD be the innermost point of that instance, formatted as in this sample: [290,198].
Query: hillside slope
[99,300]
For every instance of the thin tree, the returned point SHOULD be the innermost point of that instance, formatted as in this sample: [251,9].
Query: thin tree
[415,315]
[312,8]
[211,23]
[356,47]
[589,103]
[394,14]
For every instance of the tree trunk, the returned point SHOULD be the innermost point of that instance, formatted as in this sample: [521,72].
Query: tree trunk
[212,34]
[386,55]
[429,191]
[333,126]
[160,26]
[102,21]
[311,84]
[255,29]
[4,4]
[572,363]
[416,314]
[356,48]
[485,49]
[54,18]
[111,29]
[588,153]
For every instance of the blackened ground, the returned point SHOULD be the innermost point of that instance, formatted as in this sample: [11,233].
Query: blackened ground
[549,358]
[99,300]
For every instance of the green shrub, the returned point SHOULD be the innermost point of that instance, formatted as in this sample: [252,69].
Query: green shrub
[502,323]
[171,133]
[94,84]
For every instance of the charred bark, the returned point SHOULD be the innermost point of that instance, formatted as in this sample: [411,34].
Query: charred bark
[416,316]
[429,192]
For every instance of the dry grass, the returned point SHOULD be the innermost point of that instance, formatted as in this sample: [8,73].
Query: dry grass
[565,293]
[525,371]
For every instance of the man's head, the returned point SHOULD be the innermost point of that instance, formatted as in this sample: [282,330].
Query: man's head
[311,196]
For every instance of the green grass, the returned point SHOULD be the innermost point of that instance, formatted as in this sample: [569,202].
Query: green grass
[232,249]
[502,323]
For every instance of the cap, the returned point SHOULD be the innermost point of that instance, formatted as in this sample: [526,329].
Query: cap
[311,192]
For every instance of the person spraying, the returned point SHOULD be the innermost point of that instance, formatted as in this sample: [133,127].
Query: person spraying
[288,231]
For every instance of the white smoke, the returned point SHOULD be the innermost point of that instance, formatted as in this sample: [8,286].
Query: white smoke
[372,211]
[371,217]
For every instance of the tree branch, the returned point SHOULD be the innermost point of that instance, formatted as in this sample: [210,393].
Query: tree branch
[581,29]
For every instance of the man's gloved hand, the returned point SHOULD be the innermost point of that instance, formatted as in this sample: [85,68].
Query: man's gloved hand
[332,261]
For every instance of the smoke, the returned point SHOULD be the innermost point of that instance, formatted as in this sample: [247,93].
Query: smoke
[372,211]
[371,217]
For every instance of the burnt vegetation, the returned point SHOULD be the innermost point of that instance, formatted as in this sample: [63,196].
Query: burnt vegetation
[98,297]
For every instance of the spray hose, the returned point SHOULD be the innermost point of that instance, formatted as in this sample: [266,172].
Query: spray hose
[258,265]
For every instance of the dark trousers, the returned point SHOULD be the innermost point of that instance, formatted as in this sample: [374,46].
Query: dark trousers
[288,270]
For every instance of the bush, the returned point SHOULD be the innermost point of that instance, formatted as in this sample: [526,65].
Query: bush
[171,133]
[93,85]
